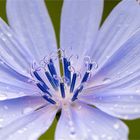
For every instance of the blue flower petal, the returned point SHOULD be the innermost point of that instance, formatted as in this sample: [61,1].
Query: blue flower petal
[12,51]
[123,103]
[87,123]
[122,64]
[118,27]
[12,109]
[31,124]
[31,22]
[79,26]
[13,84]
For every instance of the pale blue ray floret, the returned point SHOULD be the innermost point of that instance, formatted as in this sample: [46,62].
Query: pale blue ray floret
[100,82]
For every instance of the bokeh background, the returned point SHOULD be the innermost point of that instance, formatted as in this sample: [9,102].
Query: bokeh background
[54,8]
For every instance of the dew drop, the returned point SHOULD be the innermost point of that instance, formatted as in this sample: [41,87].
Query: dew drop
[89,130]
[1,62]
[92,122]
[100,97]
[27,110]
[137,90]
[94,137]
[9,34]
[2,36]
[107,56]
[20,131]
[116,105]
[34,136]
[70,123]
[126,117]
[3,96]
[106,80]
[1,119]
[22,93]
[136,110]
[79,108]
[103,135]
[72,132]
[116,126]
[5,107]
[24,129]
[109,138]
[111,108]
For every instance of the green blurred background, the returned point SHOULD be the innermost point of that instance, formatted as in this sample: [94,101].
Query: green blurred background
[54,7]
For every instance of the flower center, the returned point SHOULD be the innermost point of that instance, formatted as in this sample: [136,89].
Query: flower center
[57,89]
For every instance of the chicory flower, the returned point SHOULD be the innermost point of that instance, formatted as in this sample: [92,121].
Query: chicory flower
[100,84]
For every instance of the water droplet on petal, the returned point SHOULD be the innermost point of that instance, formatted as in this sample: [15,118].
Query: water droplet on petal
[116,105]
[79,108]
[70,123]
[9,34]
[126,117]
[103,135]
[24,129]
[89,130]
[5,107]
[116,126]
[111,108]
[94,137]
[109,138]
[136,110]
[3,96]
[107,56]
[1,62]
[137,90]
[20,131]
[34,136]
[1,119]
[27,110]
[106,80]
[92,122]
[72,132]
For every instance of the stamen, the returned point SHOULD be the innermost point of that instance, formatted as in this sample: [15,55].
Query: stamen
[86,75]
[73,82]
[62,89]
[51,80]
[43,88]
[90,66]
[78,90]
[52,70]
[49,99]
[37,76]
[69,79]
[67,72]
[40,79]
